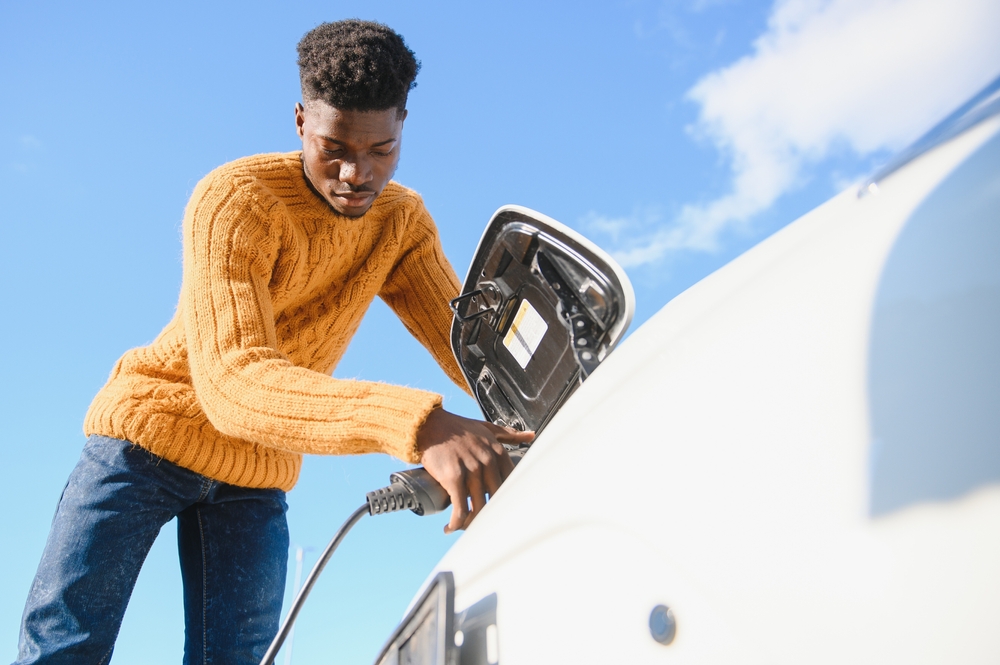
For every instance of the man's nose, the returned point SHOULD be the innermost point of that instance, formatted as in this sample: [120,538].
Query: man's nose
[355,171]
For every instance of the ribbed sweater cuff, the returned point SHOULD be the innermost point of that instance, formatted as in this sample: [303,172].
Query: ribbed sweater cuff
[402,412]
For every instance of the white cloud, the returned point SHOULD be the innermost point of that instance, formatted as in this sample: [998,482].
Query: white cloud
[868,74]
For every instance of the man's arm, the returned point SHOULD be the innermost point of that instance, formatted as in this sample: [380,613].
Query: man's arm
[245,385]
[419,287]
[465,456]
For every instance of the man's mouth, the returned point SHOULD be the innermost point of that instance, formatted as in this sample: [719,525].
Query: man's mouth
[353,199]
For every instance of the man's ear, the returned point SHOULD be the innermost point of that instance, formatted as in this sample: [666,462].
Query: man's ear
[300,119]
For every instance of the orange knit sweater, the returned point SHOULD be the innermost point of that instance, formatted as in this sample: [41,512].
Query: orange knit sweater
[275,283]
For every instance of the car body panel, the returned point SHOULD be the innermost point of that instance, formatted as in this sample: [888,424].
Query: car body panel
[723,462]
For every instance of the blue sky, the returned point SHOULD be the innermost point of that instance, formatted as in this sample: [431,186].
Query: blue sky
[675,134]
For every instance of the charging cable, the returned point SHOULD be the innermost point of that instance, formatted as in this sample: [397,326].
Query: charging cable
[293,612]
[413,489]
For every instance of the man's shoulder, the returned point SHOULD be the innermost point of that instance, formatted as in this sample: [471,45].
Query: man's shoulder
[263,180]
[263,167]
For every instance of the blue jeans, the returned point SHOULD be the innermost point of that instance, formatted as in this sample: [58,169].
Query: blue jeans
[233,544]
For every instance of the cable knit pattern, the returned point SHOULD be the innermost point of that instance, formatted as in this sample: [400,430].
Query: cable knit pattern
[238,385]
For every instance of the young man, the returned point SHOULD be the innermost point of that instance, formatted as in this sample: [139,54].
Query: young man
[282,255]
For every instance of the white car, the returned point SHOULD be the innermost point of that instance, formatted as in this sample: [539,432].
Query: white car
[797,460]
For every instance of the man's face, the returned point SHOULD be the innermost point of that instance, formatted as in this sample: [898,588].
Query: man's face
[348,156]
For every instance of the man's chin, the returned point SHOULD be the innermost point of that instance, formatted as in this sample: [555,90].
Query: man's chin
[353,213]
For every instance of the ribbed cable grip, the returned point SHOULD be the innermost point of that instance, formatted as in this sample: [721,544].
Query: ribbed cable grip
[390,499]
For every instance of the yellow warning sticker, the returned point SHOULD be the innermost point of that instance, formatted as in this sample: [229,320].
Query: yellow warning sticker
[525,333]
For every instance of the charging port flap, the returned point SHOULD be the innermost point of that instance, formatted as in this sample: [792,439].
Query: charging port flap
[540,309]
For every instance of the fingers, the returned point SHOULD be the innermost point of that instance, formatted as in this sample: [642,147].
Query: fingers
[483,471]
[459,507]
[468,458]
[509,435]
[470,489]
[478,497]
[506,465]
[495,473]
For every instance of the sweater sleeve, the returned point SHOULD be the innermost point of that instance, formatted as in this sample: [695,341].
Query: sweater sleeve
[419,289]
[247,388]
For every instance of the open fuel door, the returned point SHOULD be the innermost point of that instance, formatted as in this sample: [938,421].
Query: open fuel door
[540,309]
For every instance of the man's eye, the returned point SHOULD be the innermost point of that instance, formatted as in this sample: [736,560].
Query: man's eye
[379,153]
[332,153]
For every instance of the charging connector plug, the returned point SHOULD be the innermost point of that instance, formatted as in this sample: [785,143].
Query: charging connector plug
[413,489]
[416,490]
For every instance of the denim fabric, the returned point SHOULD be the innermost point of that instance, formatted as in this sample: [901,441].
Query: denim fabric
[233,545]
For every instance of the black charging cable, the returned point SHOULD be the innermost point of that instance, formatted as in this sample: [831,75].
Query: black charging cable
[293,612]
[413,489]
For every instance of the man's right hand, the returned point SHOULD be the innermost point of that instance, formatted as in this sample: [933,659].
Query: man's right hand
[468,459]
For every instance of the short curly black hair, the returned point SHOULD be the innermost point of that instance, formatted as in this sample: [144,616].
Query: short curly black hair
[356,65]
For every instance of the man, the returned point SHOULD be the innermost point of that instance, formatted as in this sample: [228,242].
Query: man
[282,255]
